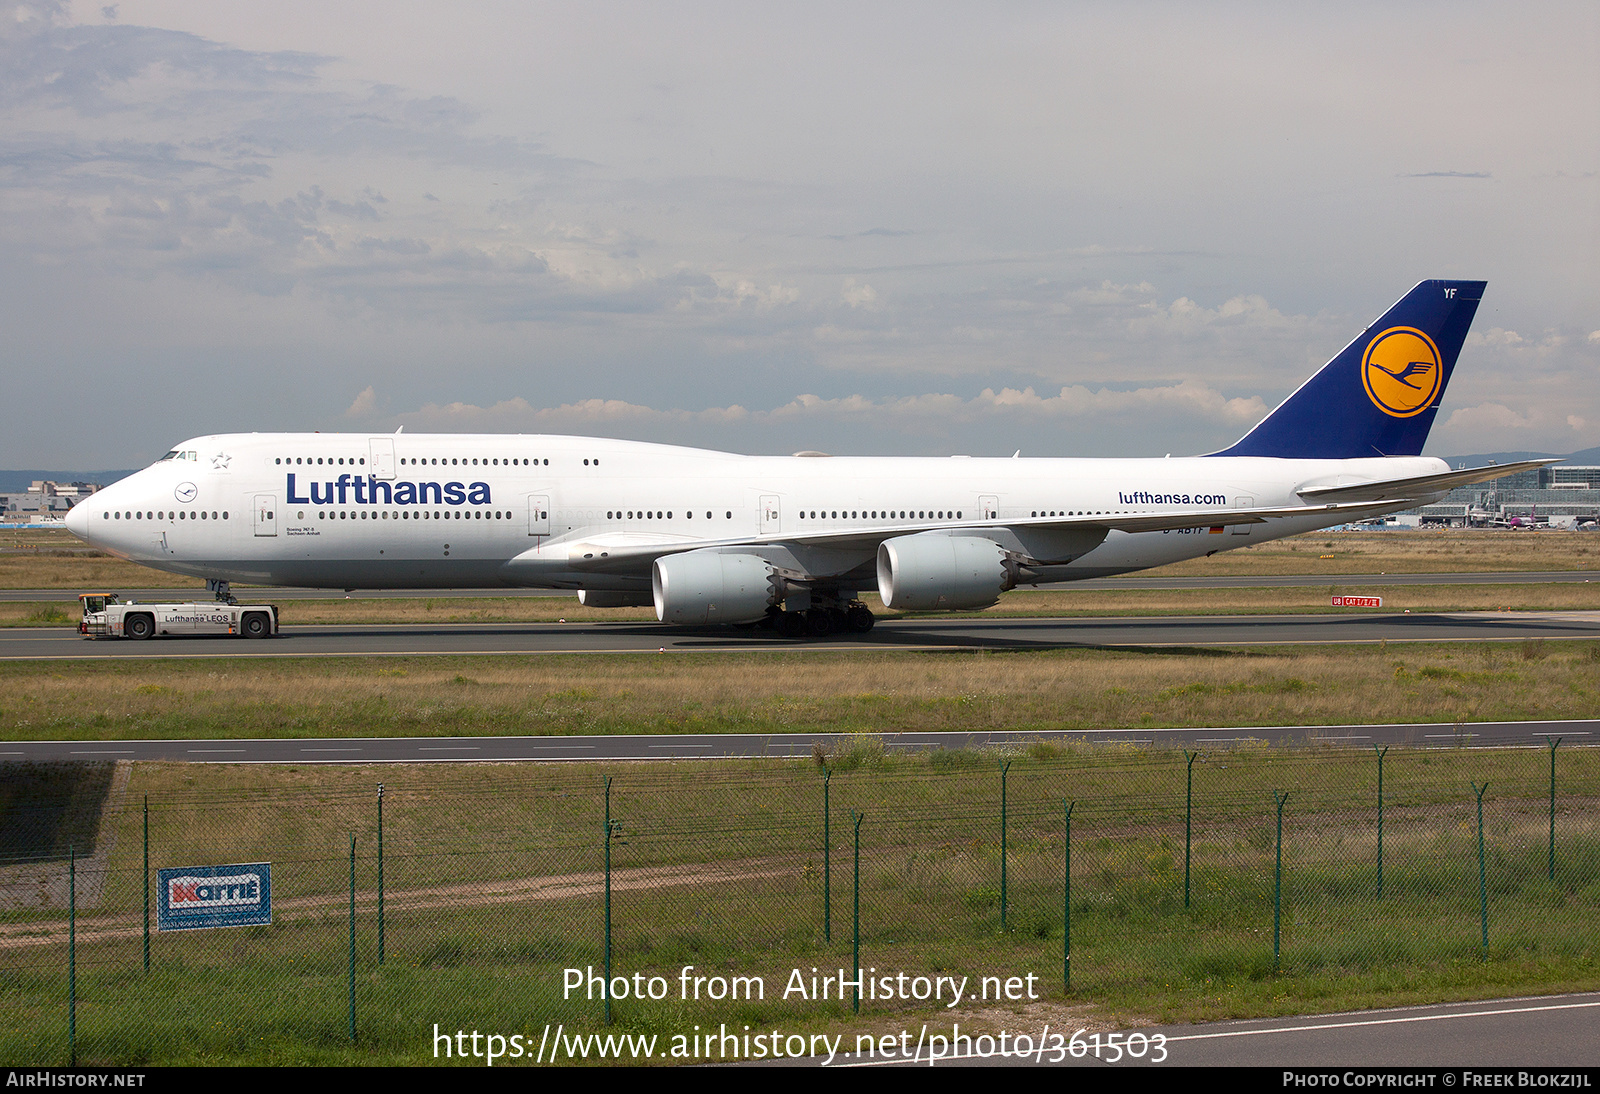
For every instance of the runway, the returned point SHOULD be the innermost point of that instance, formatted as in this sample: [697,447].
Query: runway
[522,639]
[1476,1043]
[1100,584]
[1575,733]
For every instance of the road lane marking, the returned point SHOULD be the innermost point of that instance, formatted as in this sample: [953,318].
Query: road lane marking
[1385,1021]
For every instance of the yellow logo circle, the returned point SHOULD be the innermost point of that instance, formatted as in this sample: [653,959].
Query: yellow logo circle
[1402,371]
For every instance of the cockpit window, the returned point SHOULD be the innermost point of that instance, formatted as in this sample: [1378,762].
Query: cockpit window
[174,454]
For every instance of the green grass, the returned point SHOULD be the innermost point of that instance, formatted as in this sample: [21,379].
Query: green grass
[494,885]
[851,692]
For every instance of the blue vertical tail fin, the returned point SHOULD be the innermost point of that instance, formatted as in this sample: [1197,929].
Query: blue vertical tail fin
[1378,397]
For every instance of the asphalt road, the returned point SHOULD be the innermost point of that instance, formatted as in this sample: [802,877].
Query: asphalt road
[1460,1041]
[24,643]
[708,746]
[1136,581]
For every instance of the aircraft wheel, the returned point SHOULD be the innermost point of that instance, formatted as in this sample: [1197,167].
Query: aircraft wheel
[792,624]
[820,622]
[860,618]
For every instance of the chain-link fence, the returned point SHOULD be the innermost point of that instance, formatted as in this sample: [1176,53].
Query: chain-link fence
[506,897]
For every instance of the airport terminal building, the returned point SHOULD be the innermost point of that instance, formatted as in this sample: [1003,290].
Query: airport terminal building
[44,498]
[1563,494]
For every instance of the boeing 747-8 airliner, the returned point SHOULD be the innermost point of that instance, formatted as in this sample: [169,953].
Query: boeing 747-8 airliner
[711,537]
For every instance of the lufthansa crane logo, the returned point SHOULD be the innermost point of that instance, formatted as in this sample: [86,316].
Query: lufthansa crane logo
[1402,371]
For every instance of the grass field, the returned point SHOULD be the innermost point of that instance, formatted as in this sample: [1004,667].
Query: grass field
[494,872]
[494,884]
[789,692]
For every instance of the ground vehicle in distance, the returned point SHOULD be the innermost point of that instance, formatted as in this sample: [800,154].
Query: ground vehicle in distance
[107,615]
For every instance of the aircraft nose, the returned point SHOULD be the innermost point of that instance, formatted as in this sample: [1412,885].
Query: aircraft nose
[78,521]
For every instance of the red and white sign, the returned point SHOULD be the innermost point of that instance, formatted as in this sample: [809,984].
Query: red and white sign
[1358,602]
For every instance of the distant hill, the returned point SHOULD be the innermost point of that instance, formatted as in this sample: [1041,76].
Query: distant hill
[1587,457]
[17,482]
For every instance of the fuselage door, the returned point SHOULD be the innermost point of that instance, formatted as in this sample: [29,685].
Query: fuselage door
[989,507]
[1242,529]
[266,514]
[771,515]
[382,462]
[538,514]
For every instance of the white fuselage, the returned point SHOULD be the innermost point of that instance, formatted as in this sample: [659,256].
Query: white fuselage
[477,511]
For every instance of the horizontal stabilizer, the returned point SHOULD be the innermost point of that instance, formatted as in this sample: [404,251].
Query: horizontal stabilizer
[1405,489]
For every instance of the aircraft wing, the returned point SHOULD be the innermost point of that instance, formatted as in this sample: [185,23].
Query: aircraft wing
[1122,522]
[1406,489]
[627,551]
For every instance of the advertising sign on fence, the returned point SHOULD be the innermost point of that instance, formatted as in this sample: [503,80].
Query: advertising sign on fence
[1358,602]
[215,896]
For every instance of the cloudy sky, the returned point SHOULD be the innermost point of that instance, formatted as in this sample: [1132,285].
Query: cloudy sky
[1073,229]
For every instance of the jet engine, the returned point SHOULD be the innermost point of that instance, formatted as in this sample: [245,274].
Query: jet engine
[708,586]
[934,572]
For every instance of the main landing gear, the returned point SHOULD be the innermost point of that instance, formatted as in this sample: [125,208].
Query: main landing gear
[852,617]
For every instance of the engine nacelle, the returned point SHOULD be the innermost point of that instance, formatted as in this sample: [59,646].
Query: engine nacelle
[708,586]
[933,572]
[609,598]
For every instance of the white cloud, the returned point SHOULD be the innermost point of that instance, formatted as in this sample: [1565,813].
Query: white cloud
[914,415]
[1489,417]
[365,404]
[1509,341]
[1496,426]
[858,296]
[726,207]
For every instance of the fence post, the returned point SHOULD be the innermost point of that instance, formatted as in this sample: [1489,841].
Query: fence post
[1483,890]
[147,883]
[607,993]
[380,874]
[855,1004]
[1066,903]
[352,938]
[1553,745]
[1188,818]
[1277,887]
[72,956]
[1005,766]
[1380,752]
[827,864]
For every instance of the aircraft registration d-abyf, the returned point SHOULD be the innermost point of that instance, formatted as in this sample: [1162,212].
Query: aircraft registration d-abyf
[712,537]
